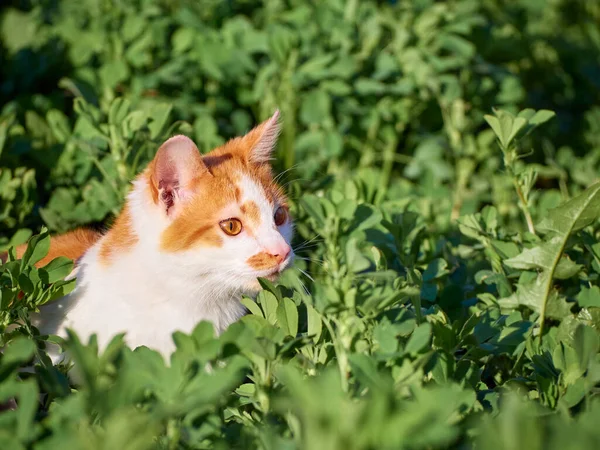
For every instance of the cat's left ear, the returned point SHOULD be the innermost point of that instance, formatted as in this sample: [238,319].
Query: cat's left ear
[261,141]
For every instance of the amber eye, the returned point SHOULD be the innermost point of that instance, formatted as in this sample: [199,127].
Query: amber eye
[232,227]
[280,216]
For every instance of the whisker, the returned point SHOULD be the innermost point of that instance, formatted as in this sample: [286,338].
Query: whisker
[306,291]
[316,261]
[306,247]
[306,243]
[293,180]
[307,275]
[279,176]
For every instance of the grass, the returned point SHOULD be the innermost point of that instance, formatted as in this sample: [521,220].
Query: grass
[441,160]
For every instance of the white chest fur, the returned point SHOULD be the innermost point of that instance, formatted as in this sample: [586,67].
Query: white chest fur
[148,305]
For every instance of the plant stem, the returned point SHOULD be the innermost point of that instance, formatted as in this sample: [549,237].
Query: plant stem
[388,163]
[523,205]
[342,358]
[416,301]
[509,159]
[464,169]
[369,147]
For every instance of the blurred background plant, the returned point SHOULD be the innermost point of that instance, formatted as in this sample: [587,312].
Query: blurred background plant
[440,288]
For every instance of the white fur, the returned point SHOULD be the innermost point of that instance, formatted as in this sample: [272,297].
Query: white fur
[149,294]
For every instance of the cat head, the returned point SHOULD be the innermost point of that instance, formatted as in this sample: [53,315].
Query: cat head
[221,213]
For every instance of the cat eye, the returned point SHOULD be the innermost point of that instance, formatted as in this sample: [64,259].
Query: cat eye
[281,216]
[232,227]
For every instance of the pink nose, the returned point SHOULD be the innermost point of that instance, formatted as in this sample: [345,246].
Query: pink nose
[279,251]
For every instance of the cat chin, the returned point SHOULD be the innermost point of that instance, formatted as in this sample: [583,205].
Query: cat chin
[254,286]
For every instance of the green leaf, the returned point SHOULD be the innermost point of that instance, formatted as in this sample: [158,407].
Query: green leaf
[507,127]
[27,395]
[57,269]
[182,39]
[159,116]
[542,116]
[420,339]
[59,124]
[270,287]
[435,269]
[494,123]
[119,109]
[315,325]
[574,393]
[365,217]
[268,303]
[5,125]
[19,351]
[589,297]
[542,258]
[315,107]
[365,370]
[356,261]
[573,215]
[312,205]
[585,343]
[518,124]
[559,223]
[287,316]
[20,237]
[113,73]
[26,284]
[37,248]
[252,306]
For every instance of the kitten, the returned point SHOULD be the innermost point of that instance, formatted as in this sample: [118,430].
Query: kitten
[193,236]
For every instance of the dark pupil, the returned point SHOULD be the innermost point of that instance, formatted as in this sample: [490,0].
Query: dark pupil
[231,225]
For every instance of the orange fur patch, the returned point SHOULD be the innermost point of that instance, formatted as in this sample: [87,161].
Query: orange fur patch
[263,261]
[184,234]
[72,245]
[119,238]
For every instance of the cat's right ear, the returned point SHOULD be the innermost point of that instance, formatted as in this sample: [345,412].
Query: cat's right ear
[176,165]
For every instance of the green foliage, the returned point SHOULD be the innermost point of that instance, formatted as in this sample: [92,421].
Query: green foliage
[447,290]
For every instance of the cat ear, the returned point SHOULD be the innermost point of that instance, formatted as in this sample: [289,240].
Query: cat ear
[262,140]
[176,164]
